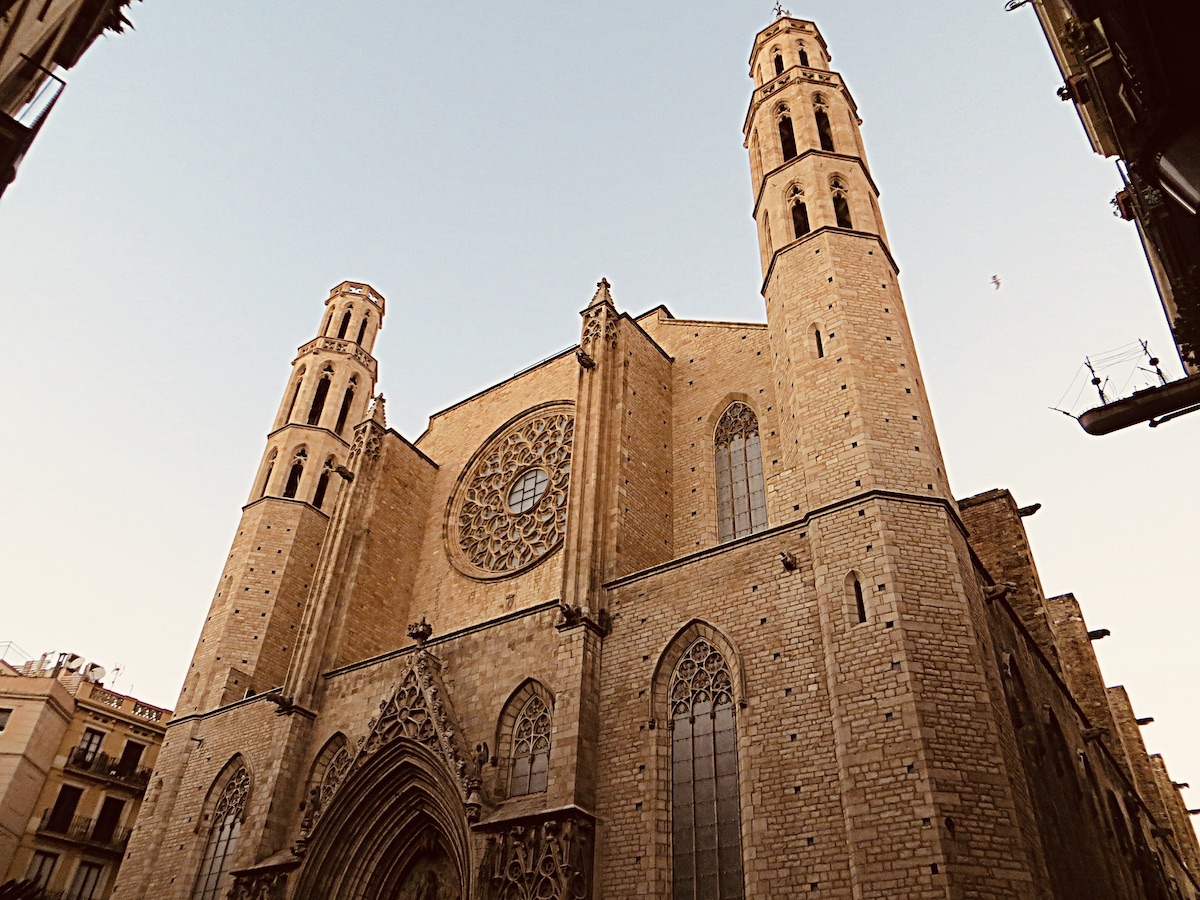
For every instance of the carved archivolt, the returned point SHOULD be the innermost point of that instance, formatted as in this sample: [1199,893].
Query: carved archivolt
[510,510]
[546,860]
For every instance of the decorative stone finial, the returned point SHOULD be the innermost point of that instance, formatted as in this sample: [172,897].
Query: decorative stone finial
[420,631]
[378,413]
[602,294]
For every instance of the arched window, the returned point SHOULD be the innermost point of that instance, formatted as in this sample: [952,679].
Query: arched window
[531,748]
[345,322]
[295,395]
[523,738]
[328,771]
[778,63]
[362,329]
[293,482]
[841,206]
[325,324]
[706,820]
[824,132]
[818,343]
[856,595]
[787,135]
[270,468]
[224,827]
[799,211]
[323,482]
[347,399]
[741,498]
[322,391]
[803,55]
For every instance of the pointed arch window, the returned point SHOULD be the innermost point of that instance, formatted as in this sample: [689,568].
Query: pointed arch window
[787,134]
[270,468]
[741,498]
[706,821]
[323,482]
[530,748]
[803,55]
[778,63]
[824,130]
[362,329]
[841,206]
[347,399]
[295,395]
[219,850]
[344,327]
[322,391]
[297,470]
[799,212]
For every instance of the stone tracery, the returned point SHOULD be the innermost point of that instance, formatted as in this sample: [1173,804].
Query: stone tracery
[488,536]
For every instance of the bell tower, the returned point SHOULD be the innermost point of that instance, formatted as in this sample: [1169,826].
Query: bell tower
[900,606]
[251,630]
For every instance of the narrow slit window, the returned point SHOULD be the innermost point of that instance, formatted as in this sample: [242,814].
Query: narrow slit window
[741,497]
[824,132]
[706,826]
[860,604]
[819,344]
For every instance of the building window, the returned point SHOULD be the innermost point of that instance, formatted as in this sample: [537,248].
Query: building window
[818,343]
[778,63]
[860,602]
[528,490]
[706,827]
[345,324]
[824,132]
[362,329]
[322,391]
[60,818]
[41,868]
[5,715]
[803,55]
[87,879]
[799,212]
[787,135]
[347,400]
[531,748]
[89,745]
[295,395]
[741,498]
[270,468]
[219,850]
[323,483]
[293,482]
[841,206]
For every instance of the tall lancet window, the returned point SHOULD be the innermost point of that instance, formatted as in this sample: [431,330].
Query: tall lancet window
[319,395]
[531,748]
[787,134]
[799,211]
[225,826]
[741,498]
[706,820]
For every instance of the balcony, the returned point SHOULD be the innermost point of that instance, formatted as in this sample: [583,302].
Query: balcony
[136,709]
[101,765]
[83,830]
[18,129]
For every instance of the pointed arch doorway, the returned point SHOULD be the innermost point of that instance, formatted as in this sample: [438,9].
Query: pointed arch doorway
[395,830]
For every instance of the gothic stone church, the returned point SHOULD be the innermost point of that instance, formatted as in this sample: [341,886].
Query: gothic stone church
[686,611]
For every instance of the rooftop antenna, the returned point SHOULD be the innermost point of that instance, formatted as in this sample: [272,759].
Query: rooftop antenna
[1096,381]
[1153,360]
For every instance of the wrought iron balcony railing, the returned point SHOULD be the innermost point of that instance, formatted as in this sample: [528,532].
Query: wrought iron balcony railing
[84,830]
[82,759]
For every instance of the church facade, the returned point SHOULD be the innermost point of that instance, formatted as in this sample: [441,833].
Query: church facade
[686,611]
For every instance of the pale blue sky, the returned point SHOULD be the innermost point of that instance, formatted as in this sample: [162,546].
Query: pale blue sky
[208,177]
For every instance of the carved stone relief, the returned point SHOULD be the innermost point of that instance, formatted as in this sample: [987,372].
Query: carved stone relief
[549,859]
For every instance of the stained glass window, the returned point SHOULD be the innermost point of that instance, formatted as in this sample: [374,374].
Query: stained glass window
[223,833]
[741,498]
[531,748]
[706,817]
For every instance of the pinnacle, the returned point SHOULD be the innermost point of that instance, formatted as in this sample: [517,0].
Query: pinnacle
[602,294]
[378,413]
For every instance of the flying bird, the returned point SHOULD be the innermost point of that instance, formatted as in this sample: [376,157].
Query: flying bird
[996,281]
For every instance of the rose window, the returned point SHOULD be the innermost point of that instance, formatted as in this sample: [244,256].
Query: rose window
[510,510]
